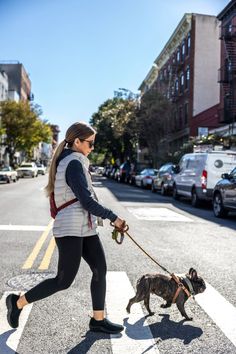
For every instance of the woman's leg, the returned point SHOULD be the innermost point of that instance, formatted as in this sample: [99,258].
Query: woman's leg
[70,251]
[94,255]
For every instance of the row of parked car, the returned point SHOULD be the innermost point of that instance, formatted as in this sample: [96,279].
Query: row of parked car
[26,169]
[200,177]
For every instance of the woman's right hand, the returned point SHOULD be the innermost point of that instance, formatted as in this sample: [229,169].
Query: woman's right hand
[120,223]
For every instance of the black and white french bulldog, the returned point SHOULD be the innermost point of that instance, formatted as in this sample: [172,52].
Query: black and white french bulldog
[165,287]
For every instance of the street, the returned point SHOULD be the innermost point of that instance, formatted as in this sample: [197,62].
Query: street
[177,235]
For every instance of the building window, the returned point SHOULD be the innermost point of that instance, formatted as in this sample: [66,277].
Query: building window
[183,50]
[178,56]
[175,121]
[188,44]
[186,114]
[177,86]
[180,117]
[187,78]
[182,83]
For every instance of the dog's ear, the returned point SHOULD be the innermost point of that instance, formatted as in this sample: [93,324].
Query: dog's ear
[193,273]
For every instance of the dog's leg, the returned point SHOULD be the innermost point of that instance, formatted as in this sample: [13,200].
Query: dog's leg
[136,298]
[166,305]
[181,309]
[146,303]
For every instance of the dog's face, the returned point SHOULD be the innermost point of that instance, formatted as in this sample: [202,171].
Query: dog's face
[197,282]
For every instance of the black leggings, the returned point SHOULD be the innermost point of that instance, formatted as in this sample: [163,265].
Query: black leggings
[71,249]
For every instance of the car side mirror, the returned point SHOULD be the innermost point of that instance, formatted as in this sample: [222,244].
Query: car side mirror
[225,176]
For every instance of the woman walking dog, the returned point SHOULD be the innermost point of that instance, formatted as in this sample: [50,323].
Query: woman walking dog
[74,229]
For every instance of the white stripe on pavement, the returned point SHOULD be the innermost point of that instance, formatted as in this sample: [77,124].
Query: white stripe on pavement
[9,337]
[11,227]
[137,337]
[220,310]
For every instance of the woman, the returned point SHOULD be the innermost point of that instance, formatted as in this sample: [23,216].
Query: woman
[74,228]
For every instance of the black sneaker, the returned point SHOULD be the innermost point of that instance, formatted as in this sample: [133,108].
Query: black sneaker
[105,326]
[13,313]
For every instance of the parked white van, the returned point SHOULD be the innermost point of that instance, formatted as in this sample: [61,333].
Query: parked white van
[197,174]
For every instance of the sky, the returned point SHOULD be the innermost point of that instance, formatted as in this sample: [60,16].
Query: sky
[78,52]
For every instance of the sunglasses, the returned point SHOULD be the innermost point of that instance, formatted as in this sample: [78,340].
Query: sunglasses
[90,142]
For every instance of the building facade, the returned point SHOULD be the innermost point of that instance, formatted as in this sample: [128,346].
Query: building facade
[186,73]
[19,83]
[227,70]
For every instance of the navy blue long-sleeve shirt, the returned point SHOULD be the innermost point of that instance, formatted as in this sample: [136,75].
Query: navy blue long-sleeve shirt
[76,180]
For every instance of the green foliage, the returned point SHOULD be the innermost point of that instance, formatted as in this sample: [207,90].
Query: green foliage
[23,127]
[153,122]
[116,129]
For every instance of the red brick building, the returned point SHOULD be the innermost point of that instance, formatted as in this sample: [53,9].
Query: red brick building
[186,73]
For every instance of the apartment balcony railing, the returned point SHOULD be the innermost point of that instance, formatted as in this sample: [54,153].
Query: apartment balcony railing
[226,116]
[225,74]
[228,32]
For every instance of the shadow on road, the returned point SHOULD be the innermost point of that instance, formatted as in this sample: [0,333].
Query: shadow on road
[163,330]
[132,194]
[89,339]
[166,329]
[4,348]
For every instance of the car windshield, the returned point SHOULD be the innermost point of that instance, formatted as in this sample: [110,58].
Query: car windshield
[5,169]
[26,165]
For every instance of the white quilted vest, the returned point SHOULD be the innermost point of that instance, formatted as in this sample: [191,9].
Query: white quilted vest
[73,220]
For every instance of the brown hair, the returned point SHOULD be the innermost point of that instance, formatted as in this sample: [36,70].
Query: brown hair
[79,130]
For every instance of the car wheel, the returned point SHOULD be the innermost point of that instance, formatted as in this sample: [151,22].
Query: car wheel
[218,208]
[9,180]
[163,191]
[195,201]
[142,185]
[175,192]
[153,188]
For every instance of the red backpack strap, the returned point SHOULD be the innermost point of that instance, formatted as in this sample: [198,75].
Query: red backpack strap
[72,201]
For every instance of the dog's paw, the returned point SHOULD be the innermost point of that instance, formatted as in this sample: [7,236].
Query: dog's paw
[127,310]
[188,318]
[164,306]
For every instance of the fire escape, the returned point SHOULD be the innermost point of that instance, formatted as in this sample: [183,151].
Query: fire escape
[227,74]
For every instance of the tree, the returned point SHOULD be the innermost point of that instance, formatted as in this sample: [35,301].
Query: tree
[153,120]
[116,128]
[23,128]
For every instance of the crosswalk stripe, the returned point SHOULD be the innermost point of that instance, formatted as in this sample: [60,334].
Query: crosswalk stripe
[137,337]
[10,337]
[119,290]
[220,310]
[11,227]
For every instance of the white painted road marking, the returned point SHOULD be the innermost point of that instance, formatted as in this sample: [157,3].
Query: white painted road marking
[10,337]
[220,310]
[137,337]
[162,214]
[22,228]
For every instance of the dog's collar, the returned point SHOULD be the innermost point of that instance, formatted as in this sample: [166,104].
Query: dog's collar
[189,284]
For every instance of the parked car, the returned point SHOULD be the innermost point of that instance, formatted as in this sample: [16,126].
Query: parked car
[7,174]
[123,171]
[197,174]
[164,180]
[224,195]
[27,169]
[144,179]
[41,168]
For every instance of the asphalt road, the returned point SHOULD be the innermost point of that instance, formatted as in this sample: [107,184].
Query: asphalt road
[175,234]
